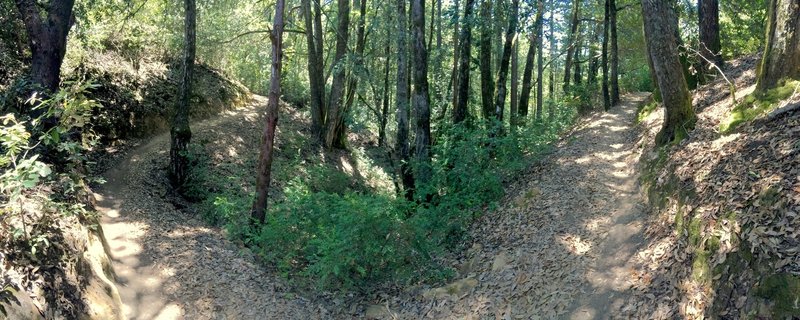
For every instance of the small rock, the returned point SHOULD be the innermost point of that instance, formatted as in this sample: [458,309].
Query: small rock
[454,290]
[377,311]
[500,262]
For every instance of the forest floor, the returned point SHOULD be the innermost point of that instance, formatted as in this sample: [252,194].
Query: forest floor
[559,245]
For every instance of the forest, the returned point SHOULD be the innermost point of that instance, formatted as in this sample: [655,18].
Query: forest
[399,159]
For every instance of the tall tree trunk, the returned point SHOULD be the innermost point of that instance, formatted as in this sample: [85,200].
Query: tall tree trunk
[502,74]
[264,170]
[460,109]
[180,133]
[335,122]
[540,65]
[352,85]
[385,103]
[552,85]
[782,54]
[594,63]
[662,45]
[614,52]
[573,39]
[421,97]
[576,62]
[316,71]
[485,62]
[47,39]
[710,47]
[512,114]
[606,23]
[402,98]
[456,56]
[527,73]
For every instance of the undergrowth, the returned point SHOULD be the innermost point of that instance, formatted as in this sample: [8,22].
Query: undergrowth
[323,233]
[755,105]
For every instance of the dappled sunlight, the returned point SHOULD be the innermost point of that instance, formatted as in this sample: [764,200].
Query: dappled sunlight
[575,244]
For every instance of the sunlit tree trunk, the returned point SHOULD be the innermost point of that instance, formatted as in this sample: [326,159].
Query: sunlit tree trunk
[662,44]
[782,54]
[527,73]
[485,62]
[461,110]
[264,170]
[316,71]
[180,133]
[334,137]
[402,98]
[421,97]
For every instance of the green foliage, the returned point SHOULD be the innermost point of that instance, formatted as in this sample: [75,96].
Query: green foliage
[645,110]
[742,26]
[755,105]
[783,289]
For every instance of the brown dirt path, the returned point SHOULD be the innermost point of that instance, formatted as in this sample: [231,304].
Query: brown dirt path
[171,265]
[561,243]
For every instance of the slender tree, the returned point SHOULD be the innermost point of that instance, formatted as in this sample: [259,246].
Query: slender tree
[485,62]
[352,85]
[710,47]
[660,32]
[180,133]
[454,76]
[606,92]
[502,74]
[540,65]
[573,40]
[512,114]
[527,73]
[334,137]
[614,55]
[781,57]
[264,169]
[421,97]
[402,148]
[316,73]
[461,110]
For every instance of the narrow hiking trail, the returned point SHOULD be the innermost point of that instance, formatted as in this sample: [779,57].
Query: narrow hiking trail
[559,245]
[562,243]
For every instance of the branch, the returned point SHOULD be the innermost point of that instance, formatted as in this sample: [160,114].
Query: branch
[731,85]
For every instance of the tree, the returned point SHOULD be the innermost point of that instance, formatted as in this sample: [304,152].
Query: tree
[334,132]
[421,96]
[573,40]
[316,74]
[181,133]
[402,97]
[527,73]
[461,110]
[604,59]
[710,47]
[614,55]
[502,74]
[514,111]
[540,64]
[663,48]
[485,62]
[782,54]
[47,39]
[264,170]
[352,86]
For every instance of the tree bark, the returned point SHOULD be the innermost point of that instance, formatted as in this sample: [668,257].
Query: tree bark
[662,45]
[527,73]
[571,47]
[460,109]
[180,133]
[421,98]
[485,62]
[782,54]
[47,40]
[358,65]
[402,102]
[335,123]
[264,170]
[540,65]
[385,103]
[514,111]
[316,72]
[614,52]
[456,56]
[502,74]
[710,47]
[604,59]
[552,85]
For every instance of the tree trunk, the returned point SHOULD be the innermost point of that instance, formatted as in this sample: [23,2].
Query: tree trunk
[402,98]
[552,85]
[335,122]
[316,71]
[47,40]
[512,114]
[461,110]
[662,45]
[606,23]
[573,35]
[540,65]
[782,54]
[614,52]
[527,73]
[710,47]
[456,56]
[593,60]
[264,170]
[352,85]
[485,62]
[180,133]
[421,98]
[502,74]
[576,62]
[385,101]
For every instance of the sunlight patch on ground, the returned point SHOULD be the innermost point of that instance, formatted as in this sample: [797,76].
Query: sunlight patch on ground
[575,244]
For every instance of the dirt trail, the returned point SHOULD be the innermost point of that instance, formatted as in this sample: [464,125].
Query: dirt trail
[171,265]
[561,243]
